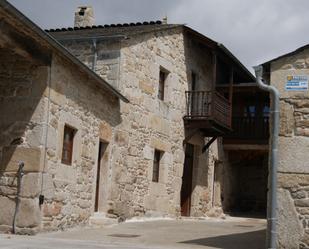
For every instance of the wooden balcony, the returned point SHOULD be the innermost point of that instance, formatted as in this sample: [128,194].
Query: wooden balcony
[248,130]
[208,111]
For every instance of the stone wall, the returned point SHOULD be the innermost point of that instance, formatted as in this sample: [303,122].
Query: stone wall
[160,123]
[101,55]
[293,199]
[198,60]
[69,190]
[149,123]
[203,199]
[22,108]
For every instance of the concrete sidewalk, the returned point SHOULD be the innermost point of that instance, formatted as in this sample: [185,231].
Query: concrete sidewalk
[232,233]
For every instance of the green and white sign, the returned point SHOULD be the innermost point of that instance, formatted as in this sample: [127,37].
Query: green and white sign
[297,83]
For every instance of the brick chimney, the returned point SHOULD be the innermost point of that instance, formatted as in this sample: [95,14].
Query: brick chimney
[84,17]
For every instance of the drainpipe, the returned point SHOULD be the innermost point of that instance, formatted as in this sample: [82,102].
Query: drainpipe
[271,239]
[20,174]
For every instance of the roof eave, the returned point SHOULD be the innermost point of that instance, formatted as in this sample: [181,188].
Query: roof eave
[286,55]
[220,46]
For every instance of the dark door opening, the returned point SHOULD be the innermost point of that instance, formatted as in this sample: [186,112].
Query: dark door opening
[247,181]
[186,188]
[102,149]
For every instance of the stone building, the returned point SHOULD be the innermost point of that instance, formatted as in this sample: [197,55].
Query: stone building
[289,74]
[165,149]
[168,72]
[54,111]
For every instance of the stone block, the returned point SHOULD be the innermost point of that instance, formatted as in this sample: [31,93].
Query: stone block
[162,205]
[292,181]
[299,194]
[159,124]
[30,186]
[29,214]
[293,154]
[66,173]
[48,188]
[122,138]
[34,137]
[302,132]
[160,145]
[146,87]
[167,159]
[7,207]
[8,190]
[52,209]
[303,123]
[179,156]
[157,189]
[39,115]
[286,119]
[148,152]
[11,156]
[302,203]
[149,202]
[52,138]
[289,233]
[105,132]
[58,98]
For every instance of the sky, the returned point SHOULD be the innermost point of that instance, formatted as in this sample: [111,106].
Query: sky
[255,31]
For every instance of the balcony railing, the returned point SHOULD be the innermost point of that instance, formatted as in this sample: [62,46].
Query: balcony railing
[208,106]
[249,128]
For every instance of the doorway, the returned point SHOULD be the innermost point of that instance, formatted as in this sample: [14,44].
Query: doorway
[186,187]
[247,183]
[102,150]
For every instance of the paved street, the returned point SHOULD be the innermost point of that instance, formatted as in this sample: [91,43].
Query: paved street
[232,233]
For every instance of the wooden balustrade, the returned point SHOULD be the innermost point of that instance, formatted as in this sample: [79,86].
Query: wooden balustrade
[208,105]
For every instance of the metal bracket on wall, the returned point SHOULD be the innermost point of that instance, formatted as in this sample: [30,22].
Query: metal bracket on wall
[206,146]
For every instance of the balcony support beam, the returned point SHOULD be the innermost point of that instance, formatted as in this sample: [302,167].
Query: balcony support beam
[206,146]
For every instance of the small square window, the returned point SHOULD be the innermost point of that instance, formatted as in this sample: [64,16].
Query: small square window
[162,79]
[156,165]
[67,148]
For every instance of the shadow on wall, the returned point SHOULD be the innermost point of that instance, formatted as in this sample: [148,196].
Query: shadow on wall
[252,240]
[22,85]
[23,107]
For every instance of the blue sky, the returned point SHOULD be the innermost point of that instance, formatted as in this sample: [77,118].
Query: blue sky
[254,30]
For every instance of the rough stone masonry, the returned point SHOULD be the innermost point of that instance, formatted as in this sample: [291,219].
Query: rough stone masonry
[293,178]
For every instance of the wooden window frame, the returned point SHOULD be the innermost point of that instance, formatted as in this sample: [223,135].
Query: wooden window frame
[156,165]
[68,144]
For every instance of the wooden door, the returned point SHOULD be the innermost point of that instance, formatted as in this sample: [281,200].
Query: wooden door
[186,188]
[102,148]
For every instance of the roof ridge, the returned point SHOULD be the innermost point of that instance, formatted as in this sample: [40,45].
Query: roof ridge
[122,25]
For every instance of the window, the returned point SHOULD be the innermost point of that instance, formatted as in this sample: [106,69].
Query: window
[162,79]
[193,81]
[156,165]
[67,148]
[250,111]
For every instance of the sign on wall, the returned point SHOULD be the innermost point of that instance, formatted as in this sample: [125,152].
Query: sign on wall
[297,83]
